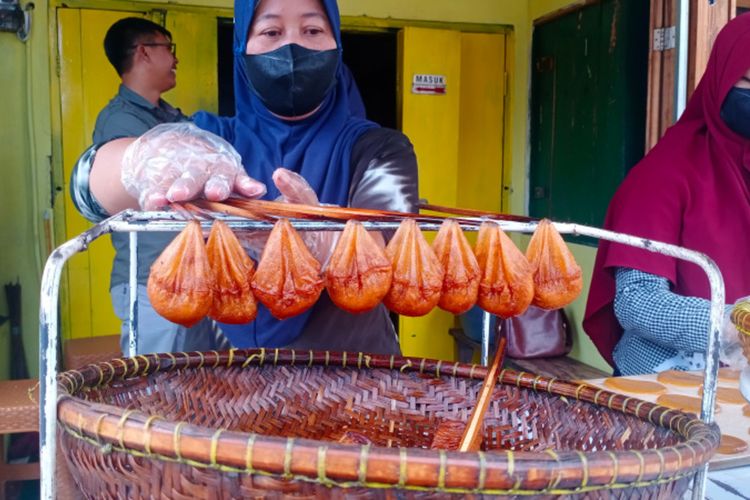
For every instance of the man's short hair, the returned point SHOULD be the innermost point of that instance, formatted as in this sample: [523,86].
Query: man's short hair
[124,35]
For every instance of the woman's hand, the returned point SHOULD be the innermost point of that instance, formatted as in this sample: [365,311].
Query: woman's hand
[176,162]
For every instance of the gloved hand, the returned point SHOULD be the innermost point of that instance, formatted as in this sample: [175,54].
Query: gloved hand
[295,189]
[176,162]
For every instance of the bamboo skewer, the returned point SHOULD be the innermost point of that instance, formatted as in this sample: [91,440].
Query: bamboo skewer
[472,437]
[475,213]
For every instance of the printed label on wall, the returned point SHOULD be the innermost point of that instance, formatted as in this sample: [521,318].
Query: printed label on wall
[428,84]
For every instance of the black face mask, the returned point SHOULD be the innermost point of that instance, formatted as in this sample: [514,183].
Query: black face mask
[736,111]
[292,80]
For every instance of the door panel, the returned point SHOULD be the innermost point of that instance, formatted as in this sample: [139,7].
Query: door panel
[458,138]
[87,83]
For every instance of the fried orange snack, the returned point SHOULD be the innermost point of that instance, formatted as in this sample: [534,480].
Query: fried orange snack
[557,277]
[358,274]
[287,280]
[461,280]
[417,273]
[506,287]
[233,270]
[180,285]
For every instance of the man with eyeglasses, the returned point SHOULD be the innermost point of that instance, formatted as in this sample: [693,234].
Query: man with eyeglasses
[144,56]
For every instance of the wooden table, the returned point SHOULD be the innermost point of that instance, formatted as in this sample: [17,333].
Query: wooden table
[729,418]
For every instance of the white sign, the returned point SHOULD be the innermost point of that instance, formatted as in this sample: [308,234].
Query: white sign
[428,84]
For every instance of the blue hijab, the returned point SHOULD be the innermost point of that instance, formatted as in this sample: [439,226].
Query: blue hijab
[318,148]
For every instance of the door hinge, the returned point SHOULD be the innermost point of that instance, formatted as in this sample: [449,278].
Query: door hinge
[665,38]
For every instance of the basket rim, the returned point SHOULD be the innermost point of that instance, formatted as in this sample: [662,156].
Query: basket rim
[350,465]
[740,316]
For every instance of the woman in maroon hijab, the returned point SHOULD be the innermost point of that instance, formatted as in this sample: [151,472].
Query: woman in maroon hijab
[647,312]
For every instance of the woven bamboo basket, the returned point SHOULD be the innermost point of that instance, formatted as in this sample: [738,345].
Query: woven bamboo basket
[274,424]
[741,318]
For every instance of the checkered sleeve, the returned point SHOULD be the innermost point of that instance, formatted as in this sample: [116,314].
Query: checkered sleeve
[645,305]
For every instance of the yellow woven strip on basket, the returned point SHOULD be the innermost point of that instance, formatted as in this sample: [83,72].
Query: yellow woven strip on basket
[121,427]
[519,377]
[176,441]
[550,384]
[679,456]
[124,366]
[421,365]
[214,447]
[148,365]
[231,357]
[348,484]
[536,381]
[437,369]
[578,391]
[174,361]
[101,375]
[249,453]
[288,458]
[554,480]
[643,465]
[482,470]
[343,359]
[294,356]
[368,359]
[402,461]
[216,355]
[136,365]
[638,408]
[597,394]
[455,369]
[203,360]
[471,371]
[615,468]
[111,372]
[275,356]
[322,478]
[405,366]
[68,382]
[359,360]
[311,358]
[391,364]
[662,463]
[442,471]
[585,468]
[740,313]
[147,432]
[609,401]
[328,357]
[364,453]
[97,431]
[80,423]
[511,462]
[650,416]
[251,358]
[30,393]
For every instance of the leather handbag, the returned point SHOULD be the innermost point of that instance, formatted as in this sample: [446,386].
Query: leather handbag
[537,333]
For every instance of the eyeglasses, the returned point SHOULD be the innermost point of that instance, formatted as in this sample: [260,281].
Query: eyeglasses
[171,46]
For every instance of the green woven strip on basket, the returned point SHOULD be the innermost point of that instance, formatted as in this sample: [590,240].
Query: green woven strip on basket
[739,316]
[350,484]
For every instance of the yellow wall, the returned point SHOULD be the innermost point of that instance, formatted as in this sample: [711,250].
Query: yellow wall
[26,132]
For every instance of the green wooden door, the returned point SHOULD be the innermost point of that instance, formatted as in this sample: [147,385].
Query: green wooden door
[588,108]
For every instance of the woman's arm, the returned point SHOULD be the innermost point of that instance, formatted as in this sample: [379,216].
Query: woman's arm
[645,305]
[105,177]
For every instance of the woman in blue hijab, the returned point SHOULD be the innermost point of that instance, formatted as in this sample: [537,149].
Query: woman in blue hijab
[293,111]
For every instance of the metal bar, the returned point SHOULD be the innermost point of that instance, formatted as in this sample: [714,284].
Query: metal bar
[49,332]
[129,221]
[681,73]
[133,285]
[486,319]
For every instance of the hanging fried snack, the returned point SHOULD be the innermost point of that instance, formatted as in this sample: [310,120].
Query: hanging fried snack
[287,280]
[417,272]
[358,274]
[180,285]
[557,277]
[461,281]
[506,287]
[233,270]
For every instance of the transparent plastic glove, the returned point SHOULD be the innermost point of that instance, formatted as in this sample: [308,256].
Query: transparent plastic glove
[730,348]
[176,162]
[295,189]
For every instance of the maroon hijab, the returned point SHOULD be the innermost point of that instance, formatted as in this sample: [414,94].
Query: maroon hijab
[690,190]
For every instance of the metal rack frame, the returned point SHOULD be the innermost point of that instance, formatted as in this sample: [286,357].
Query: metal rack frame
[137,222]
